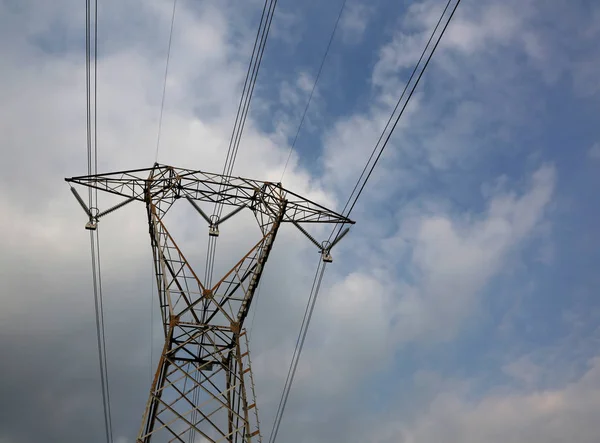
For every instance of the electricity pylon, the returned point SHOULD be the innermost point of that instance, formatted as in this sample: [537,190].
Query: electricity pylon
[203,389]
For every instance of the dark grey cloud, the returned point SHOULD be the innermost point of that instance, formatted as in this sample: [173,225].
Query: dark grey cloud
[49,380]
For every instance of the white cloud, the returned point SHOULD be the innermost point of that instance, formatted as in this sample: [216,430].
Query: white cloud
[524,370]
[594,151]
[422,283]
[565,414]
[363,320]
[354,21]
[295,95]
[418,278]
[473,30]
[476,28]
[453,259]
[45,260]
[443,127]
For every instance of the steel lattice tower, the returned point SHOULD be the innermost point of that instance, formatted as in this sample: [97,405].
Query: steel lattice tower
[203,388]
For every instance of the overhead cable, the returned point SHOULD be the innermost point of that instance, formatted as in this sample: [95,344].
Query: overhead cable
[258,50]
[92,163]
[310,307]
[386,134]
[159,132]
[350,204]
[164,91]
[313,88]
[248,90]
[98,299]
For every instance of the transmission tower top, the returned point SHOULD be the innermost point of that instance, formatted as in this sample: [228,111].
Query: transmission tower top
[167,184]
[203,385]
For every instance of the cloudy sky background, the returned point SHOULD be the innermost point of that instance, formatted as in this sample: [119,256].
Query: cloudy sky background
[462,307]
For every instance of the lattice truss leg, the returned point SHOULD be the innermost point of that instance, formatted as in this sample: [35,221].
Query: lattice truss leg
[203,389]
[208,399]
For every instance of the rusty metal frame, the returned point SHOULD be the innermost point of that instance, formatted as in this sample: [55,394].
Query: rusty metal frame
[203,384]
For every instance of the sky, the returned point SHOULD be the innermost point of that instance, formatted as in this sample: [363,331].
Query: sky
[463,305]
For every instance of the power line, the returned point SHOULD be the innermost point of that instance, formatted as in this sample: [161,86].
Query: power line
[208,273]
[313,88]
[96,94]
[264,37]
[320,270]
[92,163]
[258,50]
[159,131]
[88,97]
[249,82]
[310,306]
[164,91]
[101,310]
[360,186]
[248,89]
[100,340]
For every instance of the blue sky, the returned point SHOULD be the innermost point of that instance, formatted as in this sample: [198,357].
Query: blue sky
[464,303]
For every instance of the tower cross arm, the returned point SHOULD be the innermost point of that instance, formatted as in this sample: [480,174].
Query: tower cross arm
[302,210]
[130,184]
[167,182]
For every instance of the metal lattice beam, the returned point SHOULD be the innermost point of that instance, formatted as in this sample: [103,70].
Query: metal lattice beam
[166,184]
